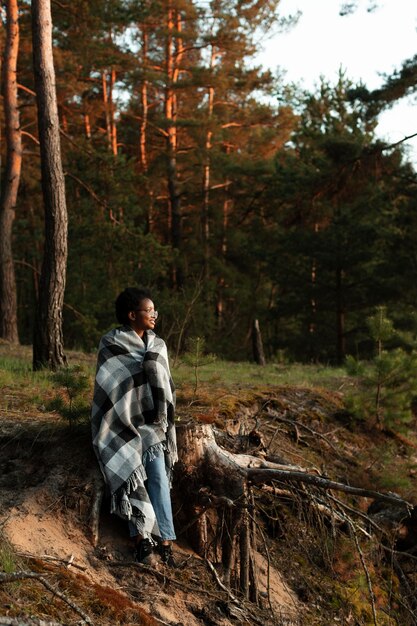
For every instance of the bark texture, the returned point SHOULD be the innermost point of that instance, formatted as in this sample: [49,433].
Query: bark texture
[218,518]
[174,52]
[48,348]
[257,345]
[10,186]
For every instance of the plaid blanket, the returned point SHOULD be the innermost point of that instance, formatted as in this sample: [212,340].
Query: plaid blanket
[132,417]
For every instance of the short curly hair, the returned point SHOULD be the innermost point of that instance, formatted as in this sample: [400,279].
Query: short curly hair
[129,300]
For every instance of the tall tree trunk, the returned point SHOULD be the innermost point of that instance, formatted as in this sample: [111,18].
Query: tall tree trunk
[48,348]
[113,126]
[221,284]
[143,154]
[145,108]
[205,213]
[172,70]
[107,82]
[8,297]
[87,122]
[340,318]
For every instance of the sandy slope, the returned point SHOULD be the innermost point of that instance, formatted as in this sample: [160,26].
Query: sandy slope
[44,506]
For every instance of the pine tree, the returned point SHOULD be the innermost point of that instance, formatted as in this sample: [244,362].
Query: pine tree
[387,388]
[48,350]
[336,199]
[10,185]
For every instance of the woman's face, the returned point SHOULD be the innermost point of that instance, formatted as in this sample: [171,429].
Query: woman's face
[143,317]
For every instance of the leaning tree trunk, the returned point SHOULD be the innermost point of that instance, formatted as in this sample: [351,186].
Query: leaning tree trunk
[48,340]
[8,298]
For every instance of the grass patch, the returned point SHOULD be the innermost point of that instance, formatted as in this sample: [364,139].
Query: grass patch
[16,373]
[230,373]
[8,559]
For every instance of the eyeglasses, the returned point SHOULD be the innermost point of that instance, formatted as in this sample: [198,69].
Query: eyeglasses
[149,312]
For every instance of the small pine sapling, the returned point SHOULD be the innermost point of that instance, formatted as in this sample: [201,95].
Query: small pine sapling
[388,387]
[71,401]
[196,358]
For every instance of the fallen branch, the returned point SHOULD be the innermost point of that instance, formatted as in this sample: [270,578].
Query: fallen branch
[259,475]
[19,621]
[14,576]
[219,582]
[69,561]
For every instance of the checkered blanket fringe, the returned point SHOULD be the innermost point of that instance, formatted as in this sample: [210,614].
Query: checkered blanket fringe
[132,420]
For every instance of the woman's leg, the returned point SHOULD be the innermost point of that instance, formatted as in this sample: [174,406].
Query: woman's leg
[157,486]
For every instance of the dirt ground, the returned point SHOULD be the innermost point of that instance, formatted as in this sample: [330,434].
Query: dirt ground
[308,570]
[45,497]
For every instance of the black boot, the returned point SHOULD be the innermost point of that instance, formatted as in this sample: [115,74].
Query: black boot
[166,555]
[144,553]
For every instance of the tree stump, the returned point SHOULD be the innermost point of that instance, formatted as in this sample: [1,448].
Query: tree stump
[216,506]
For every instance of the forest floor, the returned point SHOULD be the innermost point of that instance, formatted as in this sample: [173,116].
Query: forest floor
[311,570]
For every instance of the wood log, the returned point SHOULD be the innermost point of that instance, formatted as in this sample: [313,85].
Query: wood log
[94,521]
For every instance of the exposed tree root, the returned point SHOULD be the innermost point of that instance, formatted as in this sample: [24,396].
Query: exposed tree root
[224,511]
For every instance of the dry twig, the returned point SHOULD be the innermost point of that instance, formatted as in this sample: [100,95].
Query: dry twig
[69,561]
[296,424]
[163,577]
[233,598]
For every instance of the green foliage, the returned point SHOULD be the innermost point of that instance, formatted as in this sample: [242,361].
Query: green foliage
[381,328]
[307,220]
[388,386]
[72,402]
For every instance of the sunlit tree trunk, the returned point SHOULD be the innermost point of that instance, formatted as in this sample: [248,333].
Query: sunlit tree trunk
[143,154]
[145,108]
[107,82]
[10,186]
[173,58]
[48,350]
[205,213]
[113,126]
[87,126]
[221,283]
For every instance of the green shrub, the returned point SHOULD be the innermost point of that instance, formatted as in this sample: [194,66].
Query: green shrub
[387,387]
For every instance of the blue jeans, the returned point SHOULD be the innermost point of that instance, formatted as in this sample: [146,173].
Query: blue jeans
[158,489]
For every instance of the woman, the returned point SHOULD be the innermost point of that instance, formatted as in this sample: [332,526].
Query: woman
[133,425]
